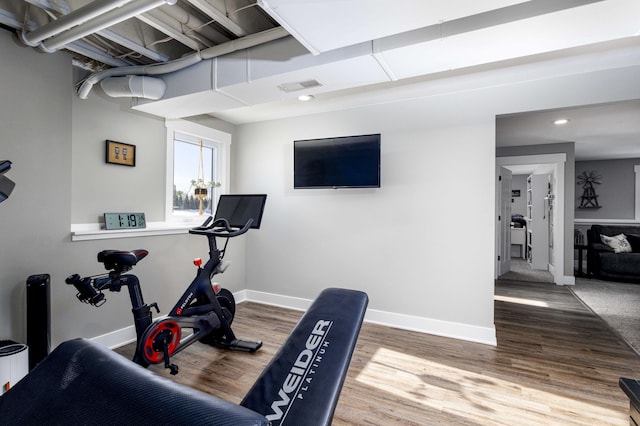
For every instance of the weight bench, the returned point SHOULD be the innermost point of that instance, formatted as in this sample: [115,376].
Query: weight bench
[82,382]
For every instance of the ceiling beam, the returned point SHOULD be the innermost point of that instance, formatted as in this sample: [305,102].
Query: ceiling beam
[219,16]
[162,23]
[9,19]
[190,23]
[132,45]
[60,6]
[85,49]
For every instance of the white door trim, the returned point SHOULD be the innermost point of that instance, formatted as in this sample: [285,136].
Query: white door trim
[558,160]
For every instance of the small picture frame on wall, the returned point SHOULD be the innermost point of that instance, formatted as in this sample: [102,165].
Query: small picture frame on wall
[515,192]
[120,153]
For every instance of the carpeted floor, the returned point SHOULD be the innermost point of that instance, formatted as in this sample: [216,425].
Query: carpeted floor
[618,304]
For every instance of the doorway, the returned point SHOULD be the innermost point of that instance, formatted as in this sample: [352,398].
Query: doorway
[552,165]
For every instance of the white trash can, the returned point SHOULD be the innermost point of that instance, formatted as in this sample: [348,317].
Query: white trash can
[14,363]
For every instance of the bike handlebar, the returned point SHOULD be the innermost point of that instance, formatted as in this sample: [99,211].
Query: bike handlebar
[87,293]
[220,228]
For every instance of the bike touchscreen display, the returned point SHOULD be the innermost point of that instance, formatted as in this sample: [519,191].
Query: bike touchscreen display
[238,209]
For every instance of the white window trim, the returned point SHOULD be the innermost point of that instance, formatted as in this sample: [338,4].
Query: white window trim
[220,139]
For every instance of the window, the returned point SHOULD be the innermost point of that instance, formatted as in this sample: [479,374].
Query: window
[192,176]
[193,192]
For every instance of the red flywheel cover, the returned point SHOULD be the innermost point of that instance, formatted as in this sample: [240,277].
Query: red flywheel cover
[156,355]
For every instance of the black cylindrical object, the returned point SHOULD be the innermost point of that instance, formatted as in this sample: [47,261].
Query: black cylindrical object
[38,318]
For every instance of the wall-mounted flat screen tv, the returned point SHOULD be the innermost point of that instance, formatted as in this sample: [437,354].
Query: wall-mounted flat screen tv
[340,162]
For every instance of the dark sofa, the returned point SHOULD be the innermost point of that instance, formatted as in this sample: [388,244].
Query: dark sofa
[604,263]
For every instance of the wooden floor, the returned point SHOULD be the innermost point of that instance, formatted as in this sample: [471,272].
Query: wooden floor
[555,364]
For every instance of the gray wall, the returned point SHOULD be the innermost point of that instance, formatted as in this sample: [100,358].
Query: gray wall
[35,118]
[98,186]
[56,143]
[405,244]
[616,193]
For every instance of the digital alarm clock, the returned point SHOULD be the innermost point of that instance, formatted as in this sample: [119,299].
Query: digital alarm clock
[124,221]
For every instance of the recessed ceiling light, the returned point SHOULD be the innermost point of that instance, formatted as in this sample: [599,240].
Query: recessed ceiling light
[560,121]
[305,98]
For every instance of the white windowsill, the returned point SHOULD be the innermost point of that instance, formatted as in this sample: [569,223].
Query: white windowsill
[93,231]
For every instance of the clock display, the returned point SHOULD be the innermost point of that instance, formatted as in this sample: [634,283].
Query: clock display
[124,221]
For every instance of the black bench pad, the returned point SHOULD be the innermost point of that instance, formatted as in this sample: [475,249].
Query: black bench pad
[83,383]
[302,383]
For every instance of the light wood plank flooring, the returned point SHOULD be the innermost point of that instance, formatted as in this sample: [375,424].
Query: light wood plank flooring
[555,364]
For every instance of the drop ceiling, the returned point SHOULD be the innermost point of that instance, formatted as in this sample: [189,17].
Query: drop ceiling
[607,131]
[342,47]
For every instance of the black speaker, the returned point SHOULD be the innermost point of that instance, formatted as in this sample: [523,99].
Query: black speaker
[38,318]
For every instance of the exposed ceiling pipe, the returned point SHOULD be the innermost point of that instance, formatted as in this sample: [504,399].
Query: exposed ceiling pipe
[66,22]
[244,42]
[81,64]
[103,21]
[184,62]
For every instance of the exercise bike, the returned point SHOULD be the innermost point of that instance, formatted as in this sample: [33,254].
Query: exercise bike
[205,309]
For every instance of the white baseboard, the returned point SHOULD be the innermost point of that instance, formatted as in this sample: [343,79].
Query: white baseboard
[120,337]
[569,280]
[486,335]
[117,338]
[288,302]
[471,333]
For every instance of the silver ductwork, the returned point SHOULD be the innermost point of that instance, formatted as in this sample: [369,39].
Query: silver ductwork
[165,68]
[182,63]
[134,86]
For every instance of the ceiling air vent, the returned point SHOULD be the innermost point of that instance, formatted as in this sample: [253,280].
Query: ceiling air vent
[298,85]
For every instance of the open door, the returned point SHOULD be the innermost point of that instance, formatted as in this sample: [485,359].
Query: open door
[504,221]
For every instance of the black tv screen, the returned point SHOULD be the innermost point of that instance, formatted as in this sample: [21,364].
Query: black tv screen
[341,162]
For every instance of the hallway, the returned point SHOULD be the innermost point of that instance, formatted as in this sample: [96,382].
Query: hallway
[522,271]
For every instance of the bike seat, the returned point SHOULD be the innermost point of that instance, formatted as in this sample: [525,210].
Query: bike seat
[115,259]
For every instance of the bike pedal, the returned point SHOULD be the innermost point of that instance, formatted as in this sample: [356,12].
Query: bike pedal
[245,345]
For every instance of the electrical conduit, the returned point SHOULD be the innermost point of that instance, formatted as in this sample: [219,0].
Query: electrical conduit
[101,22]
[65,22]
